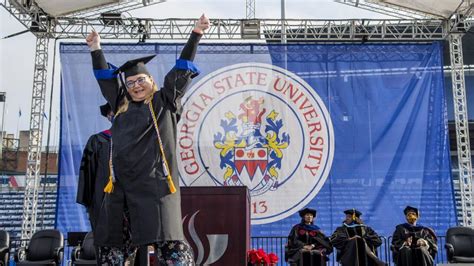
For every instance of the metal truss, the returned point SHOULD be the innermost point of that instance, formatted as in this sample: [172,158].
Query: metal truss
[462,129]
[395,30]
[249,9]
[264,29]
[462,21]
[31,16]
[30,203]
[460,24]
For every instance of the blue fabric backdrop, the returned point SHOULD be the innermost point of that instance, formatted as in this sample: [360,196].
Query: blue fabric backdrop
[387,107]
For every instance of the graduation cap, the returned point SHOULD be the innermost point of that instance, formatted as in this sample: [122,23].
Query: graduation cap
[353,212]
[411,209]
[304,211]
[105,109]
[135,66]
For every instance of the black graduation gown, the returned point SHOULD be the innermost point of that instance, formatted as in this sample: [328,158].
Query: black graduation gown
[94,175]
[413,256]
[300,236]
[155,212]
[359,251]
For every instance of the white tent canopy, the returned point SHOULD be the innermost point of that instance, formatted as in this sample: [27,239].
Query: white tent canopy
[58,8]
[440,8]
[61,7]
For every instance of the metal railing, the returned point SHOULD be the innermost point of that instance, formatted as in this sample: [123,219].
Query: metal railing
[276,244]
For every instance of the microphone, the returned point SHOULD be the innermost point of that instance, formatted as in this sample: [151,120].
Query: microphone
[206,168]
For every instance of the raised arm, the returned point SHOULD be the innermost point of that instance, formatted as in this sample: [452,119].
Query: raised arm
[178,79]
[104,72]
[189,50]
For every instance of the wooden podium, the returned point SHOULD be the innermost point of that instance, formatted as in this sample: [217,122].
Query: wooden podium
[216,223]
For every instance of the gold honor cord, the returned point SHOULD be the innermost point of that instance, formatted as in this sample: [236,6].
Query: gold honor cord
[160,143]
[109,188]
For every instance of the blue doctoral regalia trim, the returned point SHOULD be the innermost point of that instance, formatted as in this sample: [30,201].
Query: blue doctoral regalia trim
[310,227]
[106,73]
[187,65]
[353,224]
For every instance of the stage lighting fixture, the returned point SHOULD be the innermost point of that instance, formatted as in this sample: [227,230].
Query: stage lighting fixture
[143,30]
[111,18]
[250,29]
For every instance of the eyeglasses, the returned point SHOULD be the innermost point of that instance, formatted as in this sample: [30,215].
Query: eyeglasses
[131,83]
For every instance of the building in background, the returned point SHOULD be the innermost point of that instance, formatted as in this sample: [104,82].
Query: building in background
[13,163]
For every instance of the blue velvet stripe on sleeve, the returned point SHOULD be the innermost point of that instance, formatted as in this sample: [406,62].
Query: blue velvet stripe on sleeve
[106,73]
[187,65]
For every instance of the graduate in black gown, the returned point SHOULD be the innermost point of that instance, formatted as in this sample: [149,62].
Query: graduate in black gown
[356,243]
[93,176]
[307,244]
[412,243]
[94,171]
[146,177]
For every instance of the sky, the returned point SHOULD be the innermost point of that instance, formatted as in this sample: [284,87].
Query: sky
[17,53]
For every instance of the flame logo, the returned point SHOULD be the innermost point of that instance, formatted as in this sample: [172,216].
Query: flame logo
[217,243]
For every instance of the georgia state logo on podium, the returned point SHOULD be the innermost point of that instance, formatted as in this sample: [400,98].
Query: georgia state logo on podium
[259,126]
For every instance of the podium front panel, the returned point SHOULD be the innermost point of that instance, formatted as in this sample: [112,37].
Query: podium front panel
[216,223]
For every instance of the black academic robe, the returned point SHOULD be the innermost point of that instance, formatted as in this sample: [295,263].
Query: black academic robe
[413,255]
[94,174]
[155,212]
[302,235]
[360,251]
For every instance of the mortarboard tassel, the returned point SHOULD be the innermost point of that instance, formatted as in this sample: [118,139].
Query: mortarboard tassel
[160,143]
[171,184]
[353,214]
[109,188]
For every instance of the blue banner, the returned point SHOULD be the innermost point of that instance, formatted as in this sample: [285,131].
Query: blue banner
[331,127]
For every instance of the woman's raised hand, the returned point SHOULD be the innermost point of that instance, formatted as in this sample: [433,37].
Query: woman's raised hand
[202,24]
[93,41]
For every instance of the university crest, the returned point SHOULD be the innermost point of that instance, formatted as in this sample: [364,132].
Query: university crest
[251,145]
[259,126]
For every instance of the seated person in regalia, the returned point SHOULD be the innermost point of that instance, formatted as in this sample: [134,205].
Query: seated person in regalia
[356,243]
[413,244]
[307,244]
